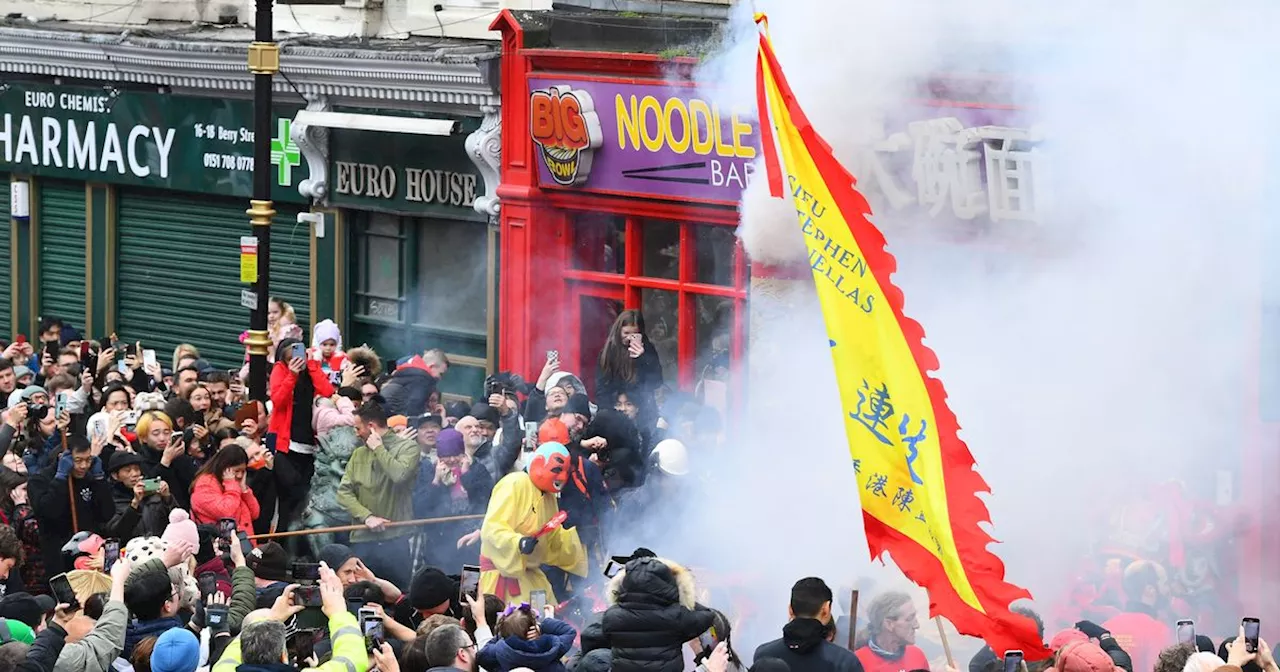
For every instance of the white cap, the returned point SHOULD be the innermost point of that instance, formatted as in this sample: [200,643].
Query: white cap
[671,457]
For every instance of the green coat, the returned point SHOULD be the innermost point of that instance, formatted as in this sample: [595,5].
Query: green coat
[380,483]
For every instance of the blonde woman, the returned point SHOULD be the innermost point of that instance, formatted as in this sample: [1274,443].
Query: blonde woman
[184,351]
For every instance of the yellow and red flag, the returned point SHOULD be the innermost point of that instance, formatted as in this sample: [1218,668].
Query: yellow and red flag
[916,478]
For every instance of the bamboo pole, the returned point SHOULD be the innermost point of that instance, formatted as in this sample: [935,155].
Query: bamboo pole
[853,617]
[353,528]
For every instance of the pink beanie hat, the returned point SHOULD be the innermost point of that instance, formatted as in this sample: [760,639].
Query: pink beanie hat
[1066,637]
[181,528]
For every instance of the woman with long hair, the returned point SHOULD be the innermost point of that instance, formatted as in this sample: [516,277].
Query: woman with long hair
[18,514]
[221,490]
[629,365]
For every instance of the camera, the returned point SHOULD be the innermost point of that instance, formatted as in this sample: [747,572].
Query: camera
[37,411]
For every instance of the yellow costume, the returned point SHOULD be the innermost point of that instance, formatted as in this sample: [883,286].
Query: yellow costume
[518,508]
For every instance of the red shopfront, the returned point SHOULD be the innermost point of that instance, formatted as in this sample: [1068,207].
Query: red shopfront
[619,190]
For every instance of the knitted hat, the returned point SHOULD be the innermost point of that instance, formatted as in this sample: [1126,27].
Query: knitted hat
[449,444]
[335,555]
[27,608]
[20,372]
[177,650]
[21,632]
[578,404]
[431,588]
[1083,657]
[456,409]
[269,562]
[326,330]
[148,401]
[181,528]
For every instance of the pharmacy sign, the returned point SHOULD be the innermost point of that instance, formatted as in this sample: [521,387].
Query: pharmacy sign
[181,143]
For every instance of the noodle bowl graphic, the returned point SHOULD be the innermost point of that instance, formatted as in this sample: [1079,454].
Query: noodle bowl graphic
[566,128]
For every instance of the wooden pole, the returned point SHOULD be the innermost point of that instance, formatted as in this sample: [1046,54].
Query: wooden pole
[353,528]
[71,495]
[853,617]
[946,645]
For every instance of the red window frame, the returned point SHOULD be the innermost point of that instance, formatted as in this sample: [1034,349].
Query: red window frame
[631,282]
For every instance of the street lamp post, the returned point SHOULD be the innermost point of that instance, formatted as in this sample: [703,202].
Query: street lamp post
[264,62]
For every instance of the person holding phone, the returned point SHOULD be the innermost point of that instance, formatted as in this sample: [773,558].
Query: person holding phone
[528,639]
[78,471]
[629,363]
[221,490]
[139,512]
[164,455]
[296,381]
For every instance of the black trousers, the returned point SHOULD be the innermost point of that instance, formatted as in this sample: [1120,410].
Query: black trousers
[293,501]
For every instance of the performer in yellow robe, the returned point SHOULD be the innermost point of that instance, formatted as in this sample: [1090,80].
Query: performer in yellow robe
[521,504]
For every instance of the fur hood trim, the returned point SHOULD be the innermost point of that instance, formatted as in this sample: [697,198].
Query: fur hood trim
[683,577]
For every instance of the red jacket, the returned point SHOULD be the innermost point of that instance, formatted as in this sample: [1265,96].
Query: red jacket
[281,388]
[211,500]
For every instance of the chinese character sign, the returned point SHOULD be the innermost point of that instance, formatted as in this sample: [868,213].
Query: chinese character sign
[916,478]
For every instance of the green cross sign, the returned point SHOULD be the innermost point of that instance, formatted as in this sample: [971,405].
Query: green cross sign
[284,153]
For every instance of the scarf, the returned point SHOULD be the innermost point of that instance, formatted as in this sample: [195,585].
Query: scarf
[883,653]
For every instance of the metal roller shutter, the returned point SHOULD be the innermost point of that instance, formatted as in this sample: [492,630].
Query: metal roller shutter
[179,272]
[6,263]
[61,263]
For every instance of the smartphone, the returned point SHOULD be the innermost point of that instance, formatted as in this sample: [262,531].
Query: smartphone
[150,485]
[306,571]
[301,645]
[298,351]
[62,591]
[611,569]
[226,528]
[122,367]
[1186,631]
[531,436]
[708,640]
[60,404]
[374,632]
[188,436]
[130,350]
[208,583]
[110,553]
[20,338]
[538,600]
[131,419]
[51,349]
[553,355]
[355,605]
[88,358]
[1013,661]
[307,596]
[470,583]
[1252,628]
[149,358]
[175,437]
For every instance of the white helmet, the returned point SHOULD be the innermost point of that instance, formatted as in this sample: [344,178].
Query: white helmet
[671,457]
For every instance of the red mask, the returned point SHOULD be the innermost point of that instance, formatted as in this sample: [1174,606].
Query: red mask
[549,468]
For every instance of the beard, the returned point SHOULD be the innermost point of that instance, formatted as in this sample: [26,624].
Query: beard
[475,442]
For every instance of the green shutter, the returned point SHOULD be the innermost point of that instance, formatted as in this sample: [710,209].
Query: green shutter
[291,264]
[6,263]
[61,263]
[179,272]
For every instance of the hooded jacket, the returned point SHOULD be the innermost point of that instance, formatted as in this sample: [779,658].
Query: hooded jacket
[409,388]
[804,648]
[540,655]
[380,483]
[129,522]
[653,614]
[212,499]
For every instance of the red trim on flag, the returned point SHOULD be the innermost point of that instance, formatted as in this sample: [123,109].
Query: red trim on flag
[772,169]
[1001,628]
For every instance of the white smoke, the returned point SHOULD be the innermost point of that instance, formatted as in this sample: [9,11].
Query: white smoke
[1109,347]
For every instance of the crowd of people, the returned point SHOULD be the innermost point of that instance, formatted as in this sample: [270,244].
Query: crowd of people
[155,518]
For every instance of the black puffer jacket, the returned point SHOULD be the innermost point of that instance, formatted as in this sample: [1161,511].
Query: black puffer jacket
[652,616]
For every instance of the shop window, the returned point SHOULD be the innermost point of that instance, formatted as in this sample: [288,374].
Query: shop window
[660,257]
[688,279]
[599,243]
[452,276]
[714,254]
[379,265]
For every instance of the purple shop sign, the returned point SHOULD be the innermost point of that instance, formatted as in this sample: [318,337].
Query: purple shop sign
[654,140]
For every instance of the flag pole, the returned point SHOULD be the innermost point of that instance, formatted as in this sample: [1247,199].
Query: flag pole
[946,645]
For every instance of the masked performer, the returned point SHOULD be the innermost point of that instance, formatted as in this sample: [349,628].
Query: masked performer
[513,543]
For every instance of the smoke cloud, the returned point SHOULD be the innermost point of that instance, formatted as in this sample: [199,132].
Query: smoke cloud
[1107,348]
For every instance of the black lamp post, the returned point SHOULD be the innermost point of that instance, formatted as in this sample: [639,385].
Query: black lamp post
[264,62]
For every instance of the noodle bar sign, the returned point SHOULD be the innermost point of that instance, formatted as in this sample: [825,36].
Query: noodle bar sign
[653,140]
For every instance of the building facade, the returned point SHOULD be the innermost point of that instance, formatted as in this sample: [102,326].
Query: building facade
[619,190]
[137,158]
